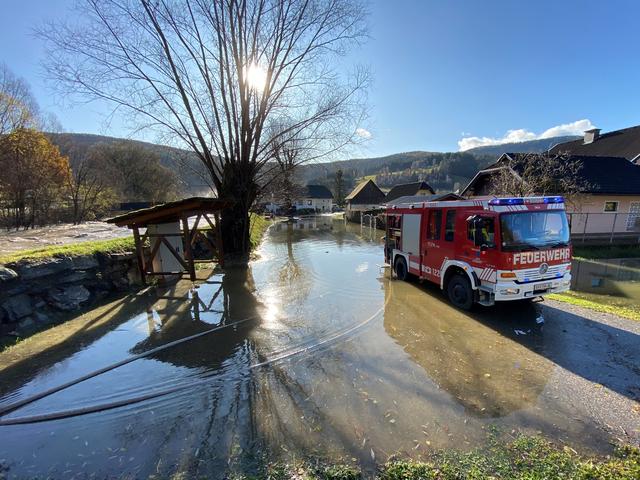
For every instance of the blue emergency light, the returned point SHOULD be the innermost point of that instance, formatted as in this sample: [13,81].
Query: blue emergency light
[521,201]
[554,199]
[506,201]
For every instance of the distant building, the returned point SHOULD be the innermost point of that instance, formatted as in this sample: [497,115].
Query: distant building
[619,143]
[366,196]
[407,189]
[441,197]
[609,201]
[315,197]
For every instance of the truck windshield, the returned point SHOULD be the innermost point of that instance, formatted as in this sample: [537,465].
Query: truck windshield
[534,230]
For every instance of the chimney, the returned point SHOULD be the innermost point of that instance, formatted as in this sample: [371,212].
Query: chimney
[591,136]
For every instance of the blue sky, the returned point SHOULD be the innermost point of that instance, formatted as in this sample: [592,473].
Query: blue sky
[444,70]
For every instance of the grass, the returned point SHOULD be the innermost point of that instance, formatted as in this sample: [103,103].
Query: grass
[609,251]
[620,306]
[525,457]
[259,225]
[116,245]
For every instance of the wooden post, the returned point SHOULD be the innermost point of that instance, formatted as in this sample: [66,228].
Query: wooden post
[584,230]
[187,248]
[220,252]
[140,255]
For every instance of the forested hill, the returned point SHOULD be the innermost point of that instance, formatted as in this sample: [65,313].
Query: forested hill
[445,172]
[186,165]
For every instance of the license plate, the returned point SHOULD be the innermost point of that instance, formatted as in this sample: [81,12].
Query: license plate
[542,286]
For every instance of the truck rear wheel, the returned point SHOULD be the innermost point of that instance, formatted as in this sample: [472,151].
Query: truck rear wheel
[401,268]
[459,292]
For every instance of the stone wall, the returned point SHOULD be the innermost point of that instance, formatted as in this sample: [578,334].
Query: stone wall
[38,293]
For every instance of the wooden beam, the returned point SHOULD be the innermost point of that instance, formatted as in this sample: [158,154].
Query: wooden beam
[154,251]
[194,230]
[187,248]
[140,255]
[174,253]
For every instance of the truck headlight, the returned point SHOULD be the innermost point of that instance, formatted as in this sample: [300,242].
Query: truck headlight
[510,291]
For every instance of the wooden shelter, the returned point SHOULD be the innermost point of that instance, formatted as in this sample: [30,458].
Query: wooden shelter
[175,216]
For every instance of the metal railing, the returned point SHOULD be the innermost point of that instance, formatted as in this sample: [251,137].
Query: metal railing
[605,227]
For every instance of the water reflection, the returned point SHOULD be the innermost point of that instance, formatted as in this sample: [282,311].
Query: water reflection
[319,353]
[489,374]
[617,277]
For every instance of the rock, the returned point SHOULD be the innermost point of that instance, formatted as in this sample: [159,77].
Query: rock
[85,262]
[30,270]
[41,318]
[16,289]
[18,307]
[26,322]
[75,277]
[7,274]
[69,298]
[119,257]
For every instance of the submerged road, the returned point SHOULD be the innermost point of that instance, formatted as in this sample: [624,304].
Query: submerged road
[312,350]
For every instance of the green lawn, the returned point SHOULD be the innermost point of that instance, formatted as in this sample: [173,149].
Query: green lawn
[258,225]
[621,306]
[524,458]
[115,245]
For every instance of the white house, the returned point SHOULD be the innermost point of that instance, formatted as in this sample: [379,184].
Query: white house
[315,197]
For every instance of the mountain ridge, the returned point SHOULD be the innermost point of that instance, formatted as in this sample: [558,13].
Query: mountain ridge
[444,171]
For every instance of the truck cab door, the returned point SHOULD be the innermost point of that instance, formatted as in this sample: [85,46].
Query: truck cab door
[433,249]
[480,249]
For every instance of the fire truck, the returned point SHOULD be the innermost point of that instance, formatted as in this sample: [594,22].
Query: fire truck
[483,250]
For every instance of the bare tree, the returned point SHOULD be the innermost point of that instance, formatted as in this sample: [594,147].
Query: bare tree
[528,174]
[18,108]
[134,173]
[87,188]
[339,187]
[215,75]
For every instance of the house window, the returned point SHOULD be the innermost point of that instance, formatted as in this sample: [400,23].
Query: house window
[309,202]
[610,206]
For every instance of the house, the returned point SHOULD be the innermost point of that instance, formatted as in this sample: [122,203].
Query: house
[407,189]
[619,143]
[442,197]
[315,197]
[608,203]
[366,196]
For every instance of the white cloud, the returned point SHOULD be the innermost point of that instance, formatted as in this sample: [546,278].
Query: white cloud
[522,135]
[363,133]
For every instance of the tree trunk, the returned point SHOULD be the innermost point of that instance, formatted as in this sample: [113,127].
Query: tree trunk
[235,220]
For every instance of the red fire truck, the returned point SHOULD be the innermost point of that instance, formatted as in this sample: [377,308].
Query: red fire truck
[482,250]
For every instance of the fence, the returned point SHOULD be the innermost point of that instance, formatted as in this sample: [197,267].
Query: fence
[605,228]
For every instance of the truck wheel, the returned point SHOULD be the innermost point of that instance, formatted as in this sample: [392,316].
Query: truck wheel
[401,268]
[459,292]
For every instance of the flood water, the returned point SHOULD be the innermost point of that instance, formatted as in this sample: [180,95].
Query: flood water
[618,278]
[318,353]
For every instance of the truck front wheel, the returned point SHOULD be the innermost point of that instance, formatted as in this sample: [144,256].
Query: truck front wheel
[401,268]
[459,292]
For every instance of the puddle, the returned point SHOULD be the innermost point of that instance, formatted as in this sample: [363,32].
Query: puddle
[312,350]
[616,277]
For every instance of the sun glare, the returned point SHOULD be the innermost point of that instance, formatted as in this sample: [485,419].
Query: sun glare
[256,77]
